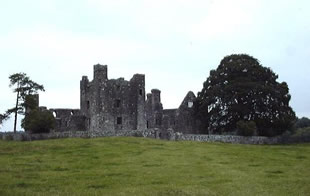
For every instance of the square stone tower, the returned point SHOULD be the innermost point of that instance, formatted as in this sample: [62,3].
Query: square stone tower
[115,104]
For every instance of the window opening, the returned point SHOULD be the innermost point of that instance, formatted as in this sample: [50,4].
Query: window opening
[119,120]
[88,104]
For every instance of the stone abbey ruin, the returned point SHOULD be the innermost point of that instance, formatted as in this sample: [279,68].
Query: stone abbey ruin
[117,105]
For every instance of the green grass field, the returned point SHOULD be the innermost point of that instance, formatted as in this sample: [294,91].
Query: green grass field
[139,166]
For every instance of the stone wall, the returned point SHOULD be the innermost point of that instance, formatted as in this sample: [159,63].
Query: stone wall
[23,136]
[154,110]
[185,119]
[234,139]
[69,120]
[156,133]
[228,139]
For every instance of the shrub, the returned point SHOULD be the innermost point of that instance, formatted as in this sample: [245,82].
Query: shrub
[246,128]
[302,123]
[38,121]
[303,132]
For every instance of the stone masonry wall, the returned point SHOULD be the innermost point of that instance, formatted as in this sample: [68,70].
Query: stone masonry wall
[113,104]
[23,136]
[155,133]
[228,139]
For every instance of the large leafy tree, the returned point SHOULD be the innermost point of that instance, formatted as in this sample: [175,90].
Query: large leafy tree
[242,89]
[39,121]
[23,86]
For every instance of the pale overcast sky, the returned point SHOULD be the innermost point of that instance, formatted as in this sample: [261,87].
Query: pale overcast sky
[174,43]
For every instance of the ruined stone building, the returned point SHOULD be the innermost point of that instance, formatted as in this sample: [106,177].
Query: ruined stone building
[115,105]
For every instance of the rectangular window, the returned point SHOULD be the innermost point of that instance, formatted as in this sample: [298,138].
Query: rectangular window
[141,92]
[119,120]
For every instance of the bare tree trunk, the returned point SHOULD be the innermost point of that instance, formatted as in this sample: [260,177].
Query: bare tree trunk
[16,106]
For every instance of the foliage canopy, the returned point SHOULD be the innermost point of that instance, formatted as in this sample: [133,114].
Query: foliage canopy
[3,117]
[302,122]
[39,121]
[246,128]
[242,89]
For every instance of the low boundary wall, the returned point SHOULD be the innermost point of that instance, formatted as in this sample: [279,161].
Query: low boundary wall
[23,136]
[155,133]
[229,139]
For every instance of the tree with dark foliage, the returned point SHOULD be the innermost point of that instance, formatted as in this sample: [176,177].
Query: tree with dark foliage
[39,121]
[3,117]
[242,89]
[246,128]
[302,122]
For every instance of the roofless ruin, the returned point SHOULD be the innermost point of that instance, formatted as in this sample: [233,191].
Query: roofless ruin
[116,105]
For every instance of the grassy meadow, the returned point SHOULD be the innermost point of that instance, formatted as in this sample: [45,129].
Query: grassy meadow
[140,166]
